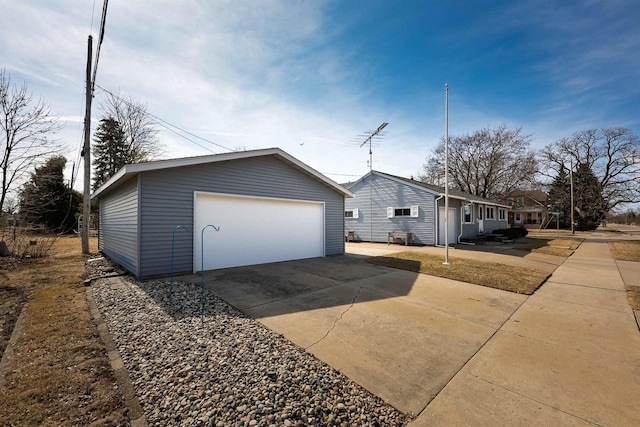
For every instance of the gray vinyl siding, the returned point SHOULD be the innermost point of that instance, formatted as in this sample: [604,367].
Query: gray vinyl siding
[119,226]
[469,230]
[168,198]
[490,225]
[390,193]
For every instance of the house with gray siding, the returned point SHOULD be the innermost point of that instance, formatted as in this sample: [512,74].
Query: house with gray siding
[385,203]
[218,211]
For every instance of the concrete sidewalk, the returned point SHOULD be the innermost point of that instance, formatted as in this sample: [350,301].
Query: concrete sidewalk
[570,355]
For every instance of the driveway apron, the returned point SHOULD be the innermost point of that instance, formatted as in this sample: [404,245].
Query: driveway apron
[401,335]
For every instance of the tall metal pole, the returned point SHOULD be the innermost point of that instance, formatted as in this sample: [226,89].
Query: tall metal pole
[86,153]
[573,229]
[446,174]
[370,193]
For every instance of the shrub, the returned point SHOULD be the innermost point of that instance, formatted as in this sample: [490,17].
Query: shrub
[511,233]
[23,243]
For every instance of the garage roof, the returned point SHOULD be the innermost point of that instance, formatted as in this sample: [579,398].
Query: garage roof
[131,170]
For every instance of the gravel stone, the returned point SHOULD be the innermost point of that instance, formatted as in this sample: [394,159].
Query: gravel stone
[231,371]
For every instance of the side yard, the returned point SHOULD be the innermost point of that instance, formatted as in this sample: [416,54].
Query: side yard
[520,267]
[57,371]
[479,272]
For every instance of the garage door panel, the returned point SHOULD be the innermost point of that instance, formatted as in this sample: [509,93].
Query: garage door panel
[256,230]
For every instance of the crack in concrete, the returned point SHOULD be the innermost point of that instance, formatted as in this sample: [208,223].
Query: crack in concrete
[335,322]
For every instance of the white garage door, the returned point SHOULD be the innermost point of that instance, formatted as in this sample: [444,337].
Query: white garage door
[255,230]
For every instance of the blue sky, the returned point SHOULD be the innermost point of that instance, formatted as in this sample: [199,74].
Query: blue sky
[310,77]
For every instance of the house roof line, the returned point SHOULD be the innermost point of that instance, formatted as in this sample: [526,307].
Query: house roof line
[455,194]
[133,169]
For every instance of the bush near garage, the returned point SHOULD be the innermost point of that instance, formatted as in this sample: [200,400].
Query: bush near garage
[511,233]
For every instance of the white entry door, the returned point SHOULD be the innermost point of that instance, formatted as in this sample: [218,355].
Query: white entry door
[480,219]
[255,230]
[451,225]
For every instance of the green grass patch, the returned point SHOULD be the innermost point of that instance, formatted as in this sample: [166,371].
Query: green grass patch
[493,275]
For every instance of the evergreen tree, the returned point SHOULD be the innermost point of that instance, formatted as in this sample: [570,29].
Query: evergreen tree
[588,199]
[108,151]
[560,197]
[46,199]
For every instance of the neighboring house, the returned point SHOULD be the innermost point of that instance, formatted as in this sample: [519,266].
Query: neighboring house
[528,208]
[267,205]
[385,203]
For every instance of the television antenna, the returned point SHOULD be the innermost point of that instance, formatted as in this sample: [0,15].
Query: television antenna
[370,136]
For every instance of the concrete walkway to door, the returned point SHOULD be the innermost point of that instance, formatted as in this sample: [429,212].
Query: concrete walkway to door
[570,355]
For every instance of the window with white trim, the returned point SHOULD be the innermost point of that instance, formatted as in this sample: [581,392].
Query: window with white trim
[480,210]
[351,213]
[502,214]
[404,211]
[467,216]
[490,212]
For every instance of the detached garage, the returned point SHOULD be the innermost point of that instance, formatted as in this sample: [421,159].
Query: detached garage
[266,205]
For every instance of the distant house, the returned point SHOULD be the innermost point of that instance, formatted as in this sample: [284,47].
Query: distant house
[528,208]
[385,203]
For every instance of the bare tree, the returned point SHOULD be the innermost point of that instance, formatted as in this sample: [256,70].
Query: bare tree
[487,163]
[613,154]
[140,142]
[27,127]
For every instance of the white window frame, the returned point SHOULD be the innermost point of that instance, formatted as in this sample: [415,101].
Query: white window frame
[502,214]
[414,211]
[480,212]
[493,213]
[470,207]
[354,213]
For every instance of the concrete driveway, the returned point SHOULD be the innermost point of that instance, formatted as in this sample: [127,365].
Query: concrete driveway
[400,334]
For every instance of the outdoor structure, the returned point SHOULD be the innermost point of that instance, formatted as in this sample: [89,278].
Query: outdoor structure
[528,208]
[254,206]
[385,204]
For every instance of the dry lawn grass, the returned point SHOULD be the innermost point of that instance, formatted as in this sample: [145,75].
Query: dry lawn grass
[633,295]
[563,247]
[628,250]
[59,373]
[493,275]
[625,250]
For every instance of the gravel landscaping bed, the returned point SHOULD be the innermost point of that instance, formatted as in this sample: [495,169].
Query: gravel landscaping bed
[231,371]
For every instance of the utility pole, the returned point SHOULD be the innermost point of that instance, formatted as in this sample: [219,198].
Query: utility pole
[86,153]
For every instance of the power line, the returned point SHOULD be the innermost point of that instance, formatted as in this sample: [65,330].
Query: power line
[164,123]
[339,174]
[103,21]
